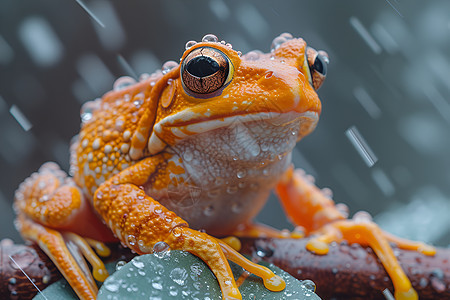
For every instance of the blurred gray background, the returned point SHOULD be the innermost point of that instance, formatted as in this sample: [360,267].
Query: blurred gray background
[388,84]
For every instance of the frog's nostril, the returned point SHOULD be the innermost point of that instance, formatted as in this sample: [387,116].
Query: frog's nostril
[268,74]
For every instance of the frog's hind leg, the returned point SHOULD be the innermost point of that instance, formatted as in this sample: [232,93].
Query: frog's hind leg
[49,207]
[53,244]
[309,207]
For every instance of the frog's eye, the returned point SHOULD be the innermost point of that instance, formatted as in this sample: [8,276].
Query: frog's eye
[205,72]
[318,63]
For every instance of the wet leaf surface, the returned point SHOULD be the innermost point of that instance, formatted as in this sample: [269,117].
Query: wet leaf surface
[177,275]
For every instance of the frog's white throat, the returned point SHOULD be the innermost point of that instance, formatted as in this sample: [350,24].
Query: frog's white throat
[301,125]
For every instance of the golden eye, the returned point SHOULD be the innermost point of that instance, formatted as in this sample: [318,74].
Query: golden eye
[205,72]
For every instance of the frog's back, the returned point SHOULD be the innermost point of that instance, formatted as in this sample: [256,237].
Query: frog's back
[102,148]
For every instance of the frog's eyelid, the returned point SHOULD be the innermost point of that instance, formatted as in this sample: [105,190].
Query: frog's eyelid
[307,69]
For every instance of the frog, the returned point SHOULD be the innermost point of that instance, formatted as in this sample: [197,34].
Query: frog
[185,158]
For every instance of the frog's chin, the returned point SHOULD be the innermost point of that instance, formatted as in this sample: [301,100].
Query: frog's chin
[307,122]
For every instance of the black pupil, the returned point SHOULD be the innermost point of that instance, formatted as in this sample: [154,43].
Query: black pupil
[202,66]
[319,65]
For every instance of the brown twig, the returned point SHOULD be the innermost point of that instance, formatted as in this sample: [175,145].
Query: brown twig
[352,271]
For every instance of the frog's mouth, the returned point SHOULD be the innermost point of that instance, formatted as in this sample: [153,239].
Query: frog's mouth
[174,131]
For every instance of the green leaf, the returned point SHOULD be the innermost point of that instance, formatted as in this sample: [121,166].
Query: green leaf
[179,275]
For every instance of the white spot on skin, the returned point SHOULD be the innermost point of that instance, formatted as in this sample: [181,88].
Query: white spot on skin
[226,96]
[96,144]
[90,157]
[126,135]
[108,149]
[97,170]
[105,159]
[124,148]
[84,143]
[140,137]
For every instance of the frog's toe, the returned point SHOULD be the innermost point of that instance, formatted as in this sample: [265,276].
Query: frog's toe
[271,281]
[366,233]
[75,271]
[98,268]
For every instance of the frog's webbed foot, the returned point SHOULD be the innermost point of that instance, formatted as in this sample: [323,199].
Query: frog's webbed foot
[68,252]
[367,233]
[310,207]
[49,207]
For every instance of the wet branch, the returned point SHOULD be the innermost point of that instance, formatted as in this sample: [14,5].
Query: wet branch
[352,271]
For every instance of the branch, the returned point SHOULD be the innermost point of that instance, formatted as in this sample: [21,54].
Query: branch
[352,271]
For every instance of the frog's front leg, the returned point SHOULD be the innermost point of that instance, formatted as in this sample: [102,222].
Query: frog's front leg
[50,209]
[308,206]
[141,222]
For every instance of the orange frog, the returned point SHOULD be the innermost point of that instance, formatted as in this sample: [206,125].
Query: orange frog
[202,143]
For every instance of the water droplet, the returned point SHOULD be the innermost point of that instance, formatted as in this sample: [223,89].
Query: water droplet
[137,263]
[362,217]
[138,103]
[144,76]
[187,155]
[265,172]
[236,208]
[189,44]
[229,45]
[157,285]
[240,174]
[123,82]
[343,209]
[327,192]
[287,36]
[334,270]
[264,252]
[46,279]
[168,65]
[112,286]
[179,275]
[131,239]
[12,281]
[210,38]
[160,249]
[173,291]
[120,264]
[254,149]
[239,53]
[231,189]
[209,210]
[309,285]
[277,42]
